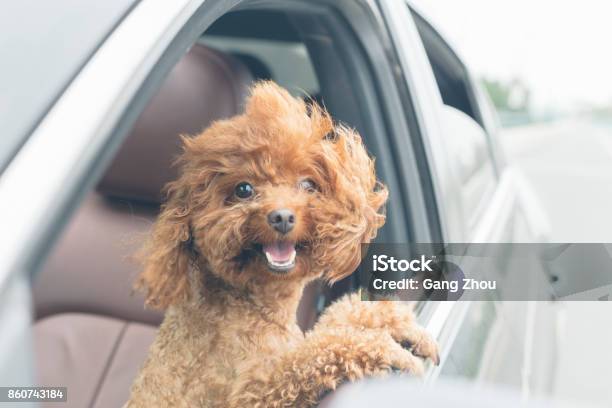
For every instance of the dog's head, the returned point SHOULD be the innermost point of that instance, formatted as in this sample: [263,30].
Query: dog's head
[277,193]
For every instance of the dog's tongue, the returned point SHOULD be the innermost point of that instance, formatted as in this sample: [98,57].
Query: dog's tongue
[280,252]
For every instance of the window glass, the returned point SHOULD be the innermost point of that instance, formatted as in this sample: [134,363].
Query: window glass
[450,73]
[464,132]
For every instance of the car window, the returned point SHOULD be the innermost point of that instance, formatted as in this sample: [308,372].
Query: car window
[463,124]
[451,75]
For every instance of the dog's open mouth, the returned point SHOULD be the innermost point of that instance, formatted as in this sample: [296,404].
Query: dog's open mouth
[280,255]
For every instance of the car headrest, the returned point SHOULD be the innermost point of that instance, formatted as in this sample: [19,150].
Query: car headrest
[204,86]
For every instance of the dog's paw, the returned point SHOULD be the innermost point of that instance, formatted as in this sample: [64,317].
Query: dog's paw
[401,324]
[378,354]
[398,319]
[394,317]
[418,341]
[404,361]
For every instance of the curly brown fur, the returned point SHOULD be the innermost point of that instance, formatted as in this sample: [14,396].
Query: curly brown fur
[229,337]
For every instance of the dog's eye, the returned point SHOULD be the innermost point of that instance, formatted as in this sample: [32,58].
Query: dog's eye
[244,190]
[307,185]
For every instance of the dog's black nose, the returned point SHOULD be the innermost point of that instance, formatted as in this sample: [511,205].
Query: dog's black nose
[282,220]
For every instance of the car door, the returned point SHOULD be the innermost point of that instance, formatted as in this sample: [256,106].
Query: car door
[480,199]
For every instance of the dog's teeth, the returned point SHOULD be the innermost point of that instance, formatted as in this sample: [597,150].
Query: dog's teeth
[288,262]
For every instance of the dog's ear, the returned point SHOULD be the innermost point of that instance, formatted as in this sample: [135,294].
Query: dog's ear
[363,198]
[167,254]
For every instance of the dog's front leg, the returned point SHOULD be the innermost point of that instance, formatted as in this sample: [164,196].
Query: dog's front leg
[394,317]
[325,359]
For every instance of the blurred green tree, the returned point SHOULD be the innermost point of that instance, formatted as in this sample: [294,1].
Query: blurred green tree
[512,100]
[508,96]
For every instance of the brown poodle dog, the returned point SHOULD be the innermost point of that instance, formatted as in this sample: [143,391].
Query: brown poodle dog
[265,203]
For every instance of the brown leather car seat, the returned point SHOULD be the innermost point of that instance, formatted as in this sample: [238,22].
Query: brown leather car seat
[91,333]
